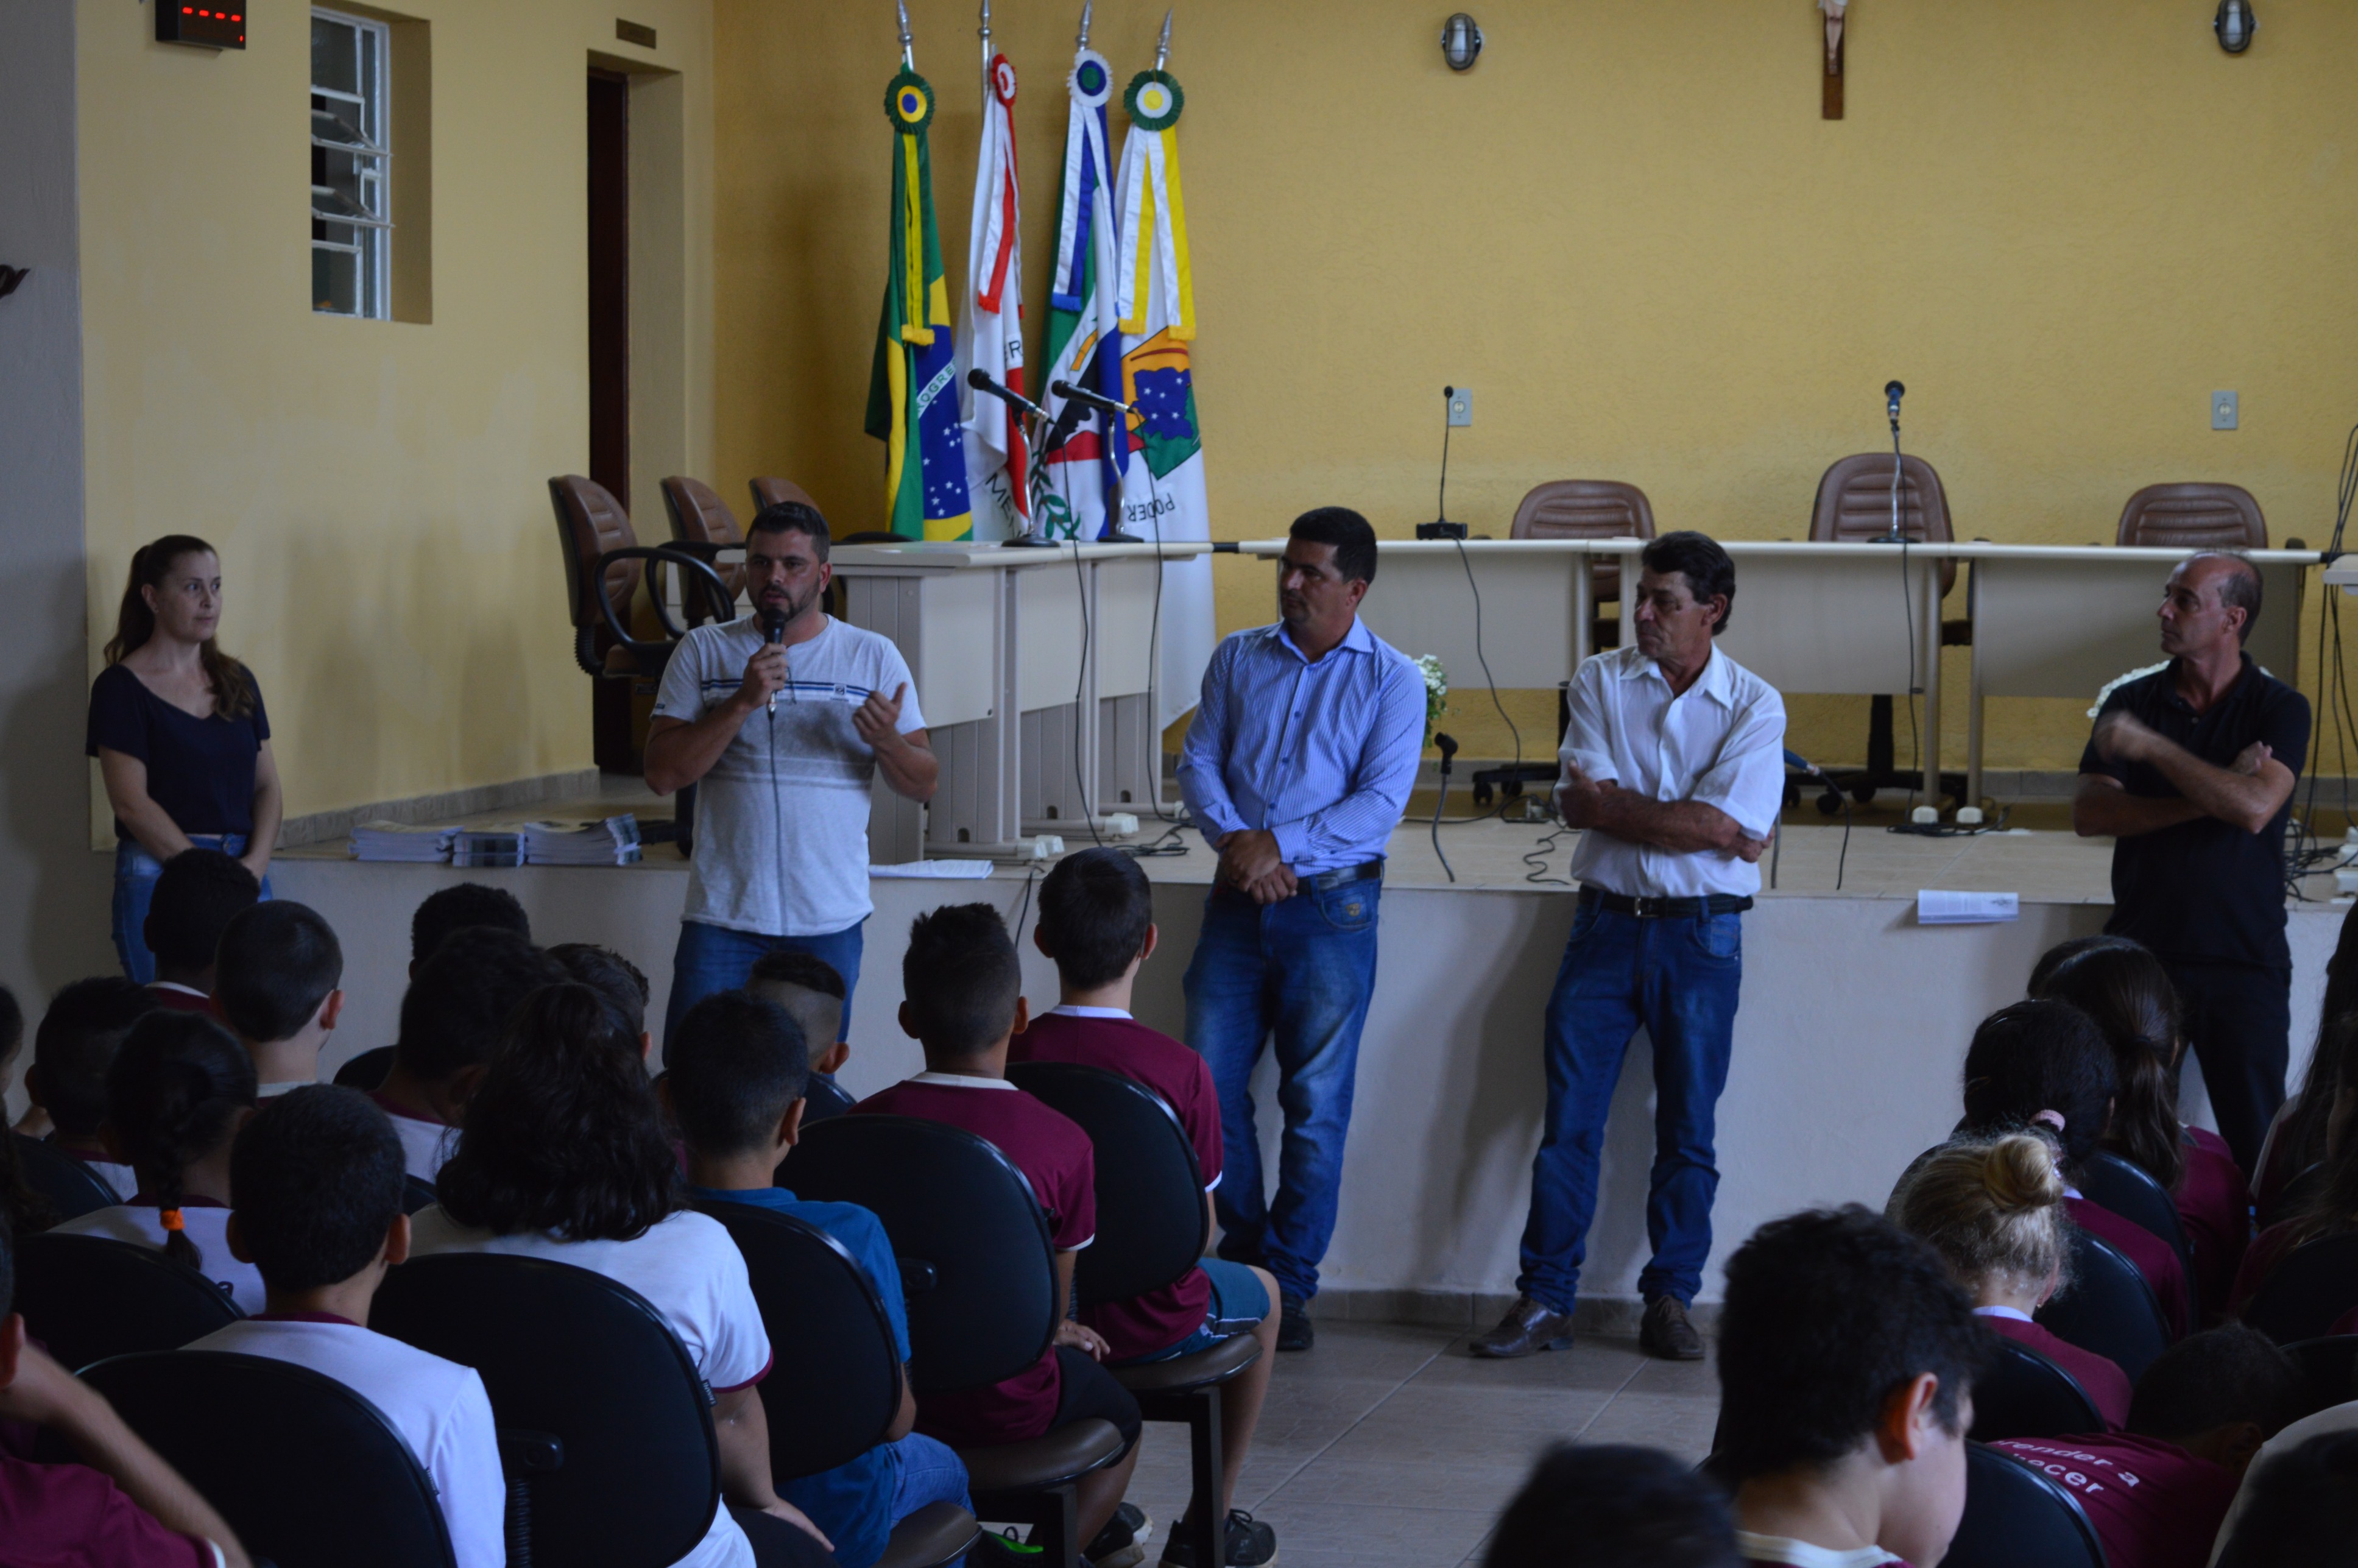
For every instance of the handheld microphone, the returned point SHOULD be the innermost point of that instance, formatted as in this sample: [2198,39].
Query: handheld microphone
[981,380]
[773,632]
[1892,393]
[1083,396]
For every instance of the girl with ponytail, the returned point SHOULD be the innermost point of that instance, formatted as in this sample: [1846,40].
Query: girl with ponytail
[180,1087]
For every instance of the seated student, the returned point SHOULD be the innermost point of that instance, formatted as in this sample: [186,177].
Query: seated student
[622,983]
[810,990]
[455,909]
[2157,1492]
[72,1051]
[317,1177]
[735,1070]
[964,986]
[1847,1361]
[1607,1506]
[1993,1209]
[197,893]
[25,1209]
[122,1507]
[2297,1507]
[563,1157]
[175,1094]
[2121,986]
[1096,923]
[276,984]
[2332,1211]
[2047,1062]
[458,1002]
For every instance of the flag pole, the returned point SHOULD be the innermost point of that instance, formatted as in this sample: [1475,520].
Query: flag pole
[1162,46]
[986,49]
[1086,7]
[908,55]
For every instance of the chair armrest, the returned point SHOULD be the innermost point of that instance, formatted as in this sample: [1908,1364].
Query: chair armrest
[917,1276]
[705,580]
[523,1453]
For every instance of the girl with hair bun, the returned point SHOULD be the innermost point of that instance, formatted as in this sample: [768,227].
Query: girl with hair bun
[180,1087]
[1993,1210]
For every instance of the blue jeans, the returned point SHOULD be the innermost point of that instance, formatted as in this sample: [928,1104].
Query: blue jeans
[1679,978]
[714,959]
[135,872]
[1238,1305]
[1301,970]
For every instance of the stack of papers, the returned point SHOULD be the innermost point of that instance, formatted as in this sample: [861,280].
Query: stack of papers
[487,846]
[612,842]
[1935,906]
[401,841]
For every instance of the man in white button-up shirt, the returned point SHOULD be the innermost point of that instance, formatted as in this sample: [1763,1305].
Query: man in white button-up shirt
[1673,767]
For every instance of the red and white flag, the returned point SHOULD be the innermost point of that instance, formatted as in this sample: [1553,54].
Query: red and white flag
[996,461]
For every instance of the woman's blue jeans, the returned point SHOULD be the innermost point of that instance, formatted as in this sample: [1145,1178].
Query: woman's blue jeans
[135,872]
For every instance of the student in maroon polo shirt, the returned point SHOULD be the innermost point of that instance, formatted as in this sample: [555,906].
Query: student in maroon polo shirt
[1096,923]
[2158,1493]
[964,987]
[73,1049]
[1847,1361]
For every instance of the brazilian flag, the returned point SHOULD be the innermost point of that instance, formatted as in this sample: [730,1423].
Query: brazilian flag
[912,401]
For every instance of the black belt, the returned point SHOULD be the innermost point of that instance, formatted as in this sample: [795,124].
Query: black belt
[1666,908]
[1326,881]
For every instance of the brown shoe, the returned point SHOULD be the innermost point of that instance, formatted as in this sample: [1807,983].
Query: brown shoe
[1665,1331]
[1528,1327]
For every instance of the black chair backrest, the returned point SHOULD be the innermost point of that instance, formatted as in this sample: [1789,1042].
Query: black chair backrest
[73,1188]
[367,1071]
[573,1354]
[824,1097]
[1152,1219]
[2017,1516]
[2329,1369]
[955,1205]
[417,1193]
[2023,1394]
[307,1472]
[2130,1190]
[2294,1195]
[834,1382]
[2311,1290]
[2109,1308]
[88,1297]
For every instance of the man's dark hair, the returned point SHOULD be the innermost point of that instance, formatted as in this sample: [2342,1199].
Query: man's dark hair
[2035,1056]
[198,893]
[1353,540]
[1828,1313]
[1614,1507]
[2239,590]
[2301,1507]
[76,1043]
[962,978]
[1095,909]
[733,1065]
[277,963]
[456,908]
[793,966]
[611,975]
[318,1176]
[2211,1379]
[792,517]
[459,999]
[1699,559]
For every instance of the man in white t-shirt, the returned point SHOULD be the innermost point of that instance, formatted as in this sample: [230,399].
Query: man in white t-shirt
[784,716]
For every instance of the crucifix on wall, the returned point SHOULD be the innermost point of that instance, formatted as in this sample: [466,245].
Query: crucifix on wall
[1830,104]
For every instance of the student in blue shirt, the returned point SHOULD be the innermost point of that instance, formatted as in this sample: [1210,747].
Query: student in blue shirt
[735,1070]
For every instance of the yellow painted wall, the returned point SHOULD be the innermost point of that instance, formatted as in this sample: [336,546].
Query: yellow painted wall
[1629,231]
[377,489]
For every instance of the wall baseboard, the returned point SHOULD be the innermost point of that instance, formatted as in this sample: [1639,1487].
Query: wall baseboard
[1475,1312]
[321,826]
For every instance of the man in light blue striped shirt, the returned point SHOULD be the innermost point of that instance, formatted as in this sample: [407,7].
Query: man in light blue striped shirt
[1297,767]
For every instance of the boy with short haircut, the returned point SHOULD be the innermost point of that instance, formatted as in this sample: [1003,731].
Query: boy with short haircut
[1609,1505]
[612,976]
[72,1048]
[457,908]
[317,1179]
[451,1017]
[276,983]
[197,893]
[1847,1361]
[734,1083]
[964,986]
[813,993]
[1097,924]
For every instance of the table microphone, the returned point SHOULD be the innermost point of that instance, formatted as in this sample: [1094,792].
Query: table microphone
[1441,527]
[773,632]
[981,380]
[1892,393]
[1083,396]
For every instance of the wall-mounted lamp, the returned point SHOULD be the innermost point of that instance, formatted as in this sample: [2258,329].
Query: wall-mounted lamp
[1460,41]
[2234,24]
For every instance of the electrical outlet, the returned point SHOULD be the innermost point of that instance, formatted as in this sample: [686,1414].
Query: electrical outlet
[2224,410]
[1461,405]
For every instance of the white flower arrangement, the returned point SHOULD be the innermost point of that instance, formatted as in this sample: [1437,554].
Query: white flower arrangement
[1437,690]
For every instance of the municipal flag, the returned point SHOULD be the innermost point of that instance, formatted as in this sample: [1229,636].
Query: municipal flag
[996,458]
[1082,326]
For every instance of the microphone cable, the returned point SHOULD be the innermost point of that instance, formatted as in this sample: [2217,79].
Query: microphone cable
[1448,755]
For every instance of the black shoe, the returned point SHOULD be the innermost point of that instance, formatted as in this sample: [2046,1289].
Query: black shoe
[1003,1551]
[1122,1541]
[1528,1326]
[1665,1331]
[1250,1545]
[1293,1330]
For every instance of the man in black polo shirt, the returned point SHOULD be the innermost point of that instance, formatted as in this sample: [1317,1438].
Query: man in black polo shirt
[2191,769]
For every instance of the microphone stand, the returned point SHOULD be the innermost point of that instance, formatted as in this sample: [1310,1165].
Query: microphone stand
[1896,536]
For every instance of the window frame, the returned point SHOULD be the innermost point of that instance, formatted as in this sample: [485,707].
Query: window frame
[366,239]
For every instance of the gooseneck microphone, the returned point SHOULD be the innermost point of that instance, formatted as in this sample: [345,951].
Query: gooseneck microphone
[981,380]
[1087,399]
[773,630]
[1892,393]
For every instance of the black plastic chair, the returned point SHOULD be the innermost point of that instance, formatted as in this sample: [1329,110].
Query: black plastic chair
[1152,1226]
[73,1188]
[2110,1308]
[607,1439]
[2017,1516]
[2329,1369]
[308,1473]
[2023,1394]
[2311,1290]
[367,1071]
[835,1385]
[2130,1190]
[823,1098]
[88,1297]
[417,1193]
[980,1267]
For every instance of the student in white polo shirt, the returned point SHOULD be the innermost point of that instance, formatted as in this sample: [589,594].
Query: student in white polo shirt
[318,1174]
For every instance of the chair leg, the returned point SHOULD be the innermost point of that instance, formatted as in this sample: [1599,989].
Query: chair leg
[517,1525]
[1203,1439]
[1055,1527]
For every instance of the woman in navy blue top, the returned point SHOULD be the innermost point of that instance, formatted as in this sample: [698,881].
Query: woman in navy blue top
[181,736]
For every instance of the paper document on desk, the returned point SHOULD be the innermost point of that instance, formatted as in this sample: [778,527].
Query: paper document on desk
[1937,907]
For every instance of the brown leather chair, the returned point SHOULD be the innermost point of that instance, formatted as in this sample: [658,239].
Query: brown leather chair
[771,491]
[2194,516]
[702,524]
[1588,509]
[603,563]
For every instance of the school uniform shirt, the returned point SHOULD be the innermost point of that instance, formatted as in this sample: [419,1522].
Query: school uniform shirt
[202,1221]
[1782,1551]
[1054,1156]
[1110,1038]
[177,997]
[439,1408]
[426,1144]
[122,1178]
[2151,1256]
[2216,1211]
[2151,1503]
[2260,1259]
[70,1516]
[2331,1420]
[2100,1376]
[265,1093]
[689,1269]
